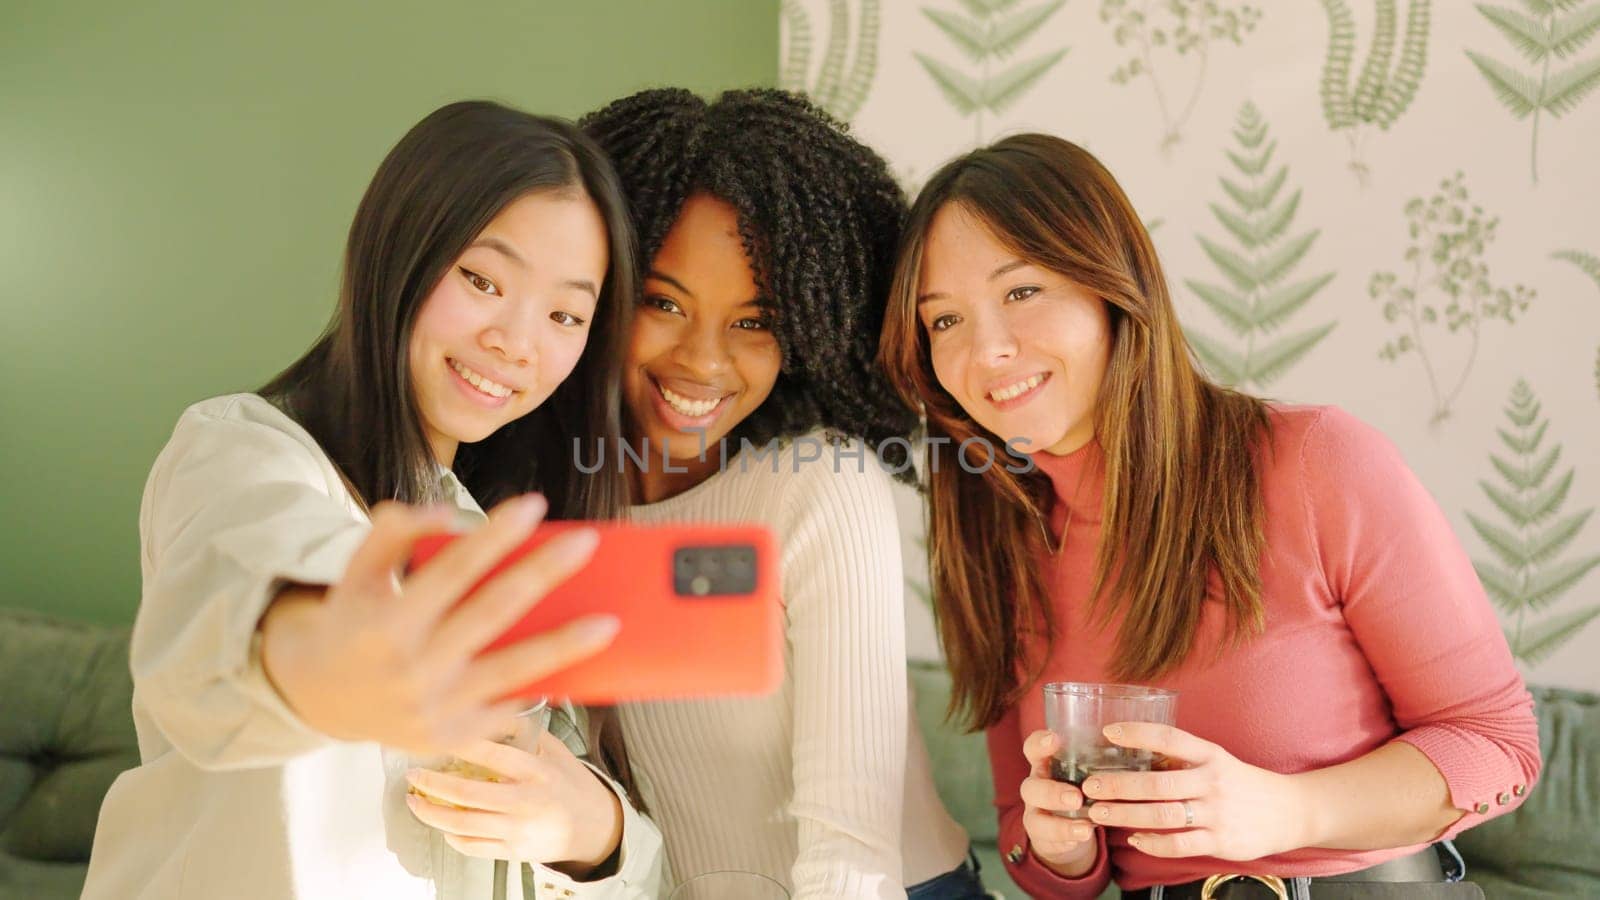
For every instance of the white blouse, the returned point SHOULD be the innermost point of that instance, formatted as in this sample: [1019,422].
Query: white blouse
[235,797]
[824,785]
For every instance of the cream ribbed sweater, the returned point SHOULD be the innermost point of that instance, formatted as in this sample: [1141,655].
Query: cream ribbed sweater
[824,785]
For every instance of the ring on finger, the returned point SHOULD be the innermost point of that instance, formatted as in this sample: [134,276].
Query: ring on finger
[1188,815]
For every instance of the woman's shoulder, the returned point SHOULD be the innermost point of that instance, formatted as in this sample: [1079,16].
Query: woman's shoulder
[833,478]
[818,455]
[815,473]
[252,411]
[1328,446]
[244,432]
[783,481]
[1322,427]
[823,460]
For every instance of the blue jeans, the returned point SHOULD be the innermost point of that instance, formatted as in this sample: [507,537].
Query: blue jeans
[960,883]
[1455,868]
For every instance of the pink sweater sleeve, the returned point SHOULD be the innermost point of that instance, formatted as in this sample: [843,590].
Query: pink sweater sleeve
[1414,604]
[1010,769]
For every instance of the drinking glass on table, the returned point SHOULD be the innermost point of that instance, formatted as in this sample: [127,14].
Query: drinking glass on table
[729,886]
[1078,712]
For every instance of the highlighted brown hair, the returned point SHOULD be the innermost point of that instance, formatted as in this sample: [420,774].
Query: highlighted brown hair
[1182,496]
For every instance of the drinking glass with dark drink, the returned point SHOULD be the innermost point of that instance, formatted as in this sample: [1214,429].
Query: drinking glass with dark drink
[1078,712]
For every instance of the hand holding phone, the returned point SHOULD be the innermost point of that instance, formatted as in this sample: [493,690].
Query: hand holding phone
[402,661]
[698,606]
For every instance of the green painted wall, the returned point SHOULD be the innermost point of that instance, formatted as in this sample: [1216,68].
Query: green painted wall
[175,185]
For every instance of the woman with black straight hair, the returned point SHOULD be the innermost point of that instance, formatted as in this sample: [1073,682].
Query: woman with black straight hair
[289,672]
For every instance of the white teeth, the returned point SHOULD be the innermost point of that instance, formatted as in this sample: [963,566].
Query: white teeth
[694,409]
[1018,389]
[492,388]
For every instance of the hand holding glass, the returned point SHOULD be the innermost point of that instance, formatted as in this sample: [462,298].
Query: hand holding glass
[1078,712]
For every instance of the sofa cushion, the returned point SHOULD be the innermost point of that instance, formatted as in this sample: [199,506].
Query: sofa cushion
[1547,846]
[960,761]
[66,733]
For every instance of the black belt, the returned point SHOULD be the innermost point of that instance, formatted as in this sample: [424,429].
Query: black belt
[1422,866]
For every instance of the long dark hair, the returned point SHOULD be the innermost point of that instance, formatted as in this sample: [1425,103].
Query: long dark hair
[436,190]
[440,186]
[1182,497]
[819,215]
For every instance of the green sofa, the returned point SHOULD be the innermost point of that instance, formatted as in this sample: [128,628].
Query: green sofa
[1548,849]
[65,733]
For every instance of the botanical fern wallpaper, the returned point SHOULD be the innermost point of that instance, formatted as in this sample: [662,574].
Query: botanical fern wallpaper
[1259,297]
[1542,32]
[1389,205]
[1372,93]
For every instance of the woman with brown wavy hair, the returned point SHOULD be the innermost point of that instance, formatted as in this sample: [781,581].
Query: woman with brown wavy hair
[1347,696]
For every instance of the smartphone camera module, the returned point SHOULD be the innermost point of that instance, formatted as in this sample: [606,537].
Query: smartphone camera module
[714,571]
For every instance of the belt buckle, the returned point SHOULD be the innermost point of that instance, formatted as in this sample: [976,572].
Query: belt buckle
[1208,890]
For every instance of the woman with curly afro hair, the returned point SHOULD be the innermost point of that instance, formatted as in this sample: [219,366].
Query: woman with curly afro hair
[751,394]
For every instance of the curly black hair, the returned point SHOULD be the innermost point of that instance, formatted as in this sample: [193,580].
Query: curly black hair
[820,217]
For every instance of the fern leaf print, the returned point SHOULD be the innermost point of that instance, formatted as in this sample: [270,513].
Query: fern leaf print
[1588,264]
[1257,296]
[844,80]
[986,34]
[1548,31]
[1387,82]
[1529,567]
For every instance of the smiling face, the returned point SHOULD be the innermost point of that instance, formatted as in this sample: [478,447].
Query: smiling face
[701,354]
[1021,348]
[509,319]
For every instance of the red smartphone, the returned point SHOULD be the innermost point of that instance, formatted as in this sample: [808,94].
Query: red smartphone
[699,607]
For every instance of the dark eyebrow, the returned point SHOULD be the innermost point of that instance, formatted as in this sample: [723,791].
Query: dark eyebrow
[583,284]
[1012,266]
[494,243]
[510,252]
[762,302]
[662,276]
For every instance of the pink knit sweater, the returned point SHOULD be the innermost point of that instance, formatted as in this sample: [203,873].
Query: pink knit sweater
[1377,631]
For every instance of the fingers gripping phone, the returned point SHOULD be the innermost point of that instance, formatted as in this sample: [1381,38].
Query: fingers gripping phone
[699,608]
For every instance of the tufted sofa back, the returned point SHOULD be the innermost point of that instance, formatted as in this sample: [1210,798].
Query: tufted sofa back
[66,732]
